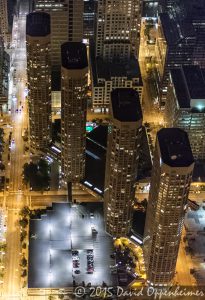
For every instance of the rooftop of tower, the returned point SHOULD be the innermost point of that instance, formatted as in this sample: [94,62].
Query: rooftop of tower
[74,55]
[175,147]
[189,85]
[106,70]
[38,24]
[126,105]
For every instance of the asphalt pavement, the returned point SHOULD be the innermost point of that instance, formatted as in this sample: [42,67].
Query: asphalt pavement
[13,198]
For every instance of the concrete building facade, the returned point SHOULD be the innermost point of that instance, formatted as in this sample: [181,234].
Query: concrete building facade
[4,72]
[39,78]
[107,76]
[185,107]
[174,47]
[180,40]
[124,138]
[66,24]
[4,24]
[113,61]
[74,73]
[117,28]
[89,16]
[170,184]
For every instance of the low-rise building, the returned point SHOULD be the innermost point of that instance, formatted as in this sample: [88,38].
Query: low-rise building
[107,76]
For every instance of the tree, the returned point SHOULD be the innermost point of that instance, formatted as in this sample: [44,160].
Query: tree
[23,235]
[37,175]
[24,273]
[147,29]
[2,246]
[25,211]
[29,172]
[51,297]
[2,167]
[25,138]
[1,134]
[24,262]
[23,223]
[24,246]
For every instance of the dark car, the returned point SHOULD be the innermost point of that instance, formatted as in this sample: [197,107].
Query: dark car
[90,258]
[77,272]
[76,264]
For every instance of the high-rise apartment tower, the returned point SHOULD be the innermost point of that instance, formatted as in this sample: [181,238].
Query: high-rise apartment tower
[39,78]
[74,82]
[124,139]
[170,183]
[66,24]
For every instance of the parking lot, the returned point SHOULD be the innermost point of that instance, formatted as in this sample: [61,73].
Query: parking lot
[68,245]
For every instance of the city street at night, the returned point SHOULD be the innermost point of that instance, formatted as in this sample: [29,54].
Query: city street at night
[102,149]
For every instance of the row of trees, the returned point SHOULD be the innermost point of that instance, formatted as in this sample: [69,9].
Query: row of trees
[23,222]
[2,249]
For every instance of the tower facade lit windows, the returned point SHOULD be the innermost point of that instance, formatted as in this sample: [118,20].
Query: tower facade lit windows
[185,107]
[39,79]
[169,189]
[66,24]
[74,82]
[124,139]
